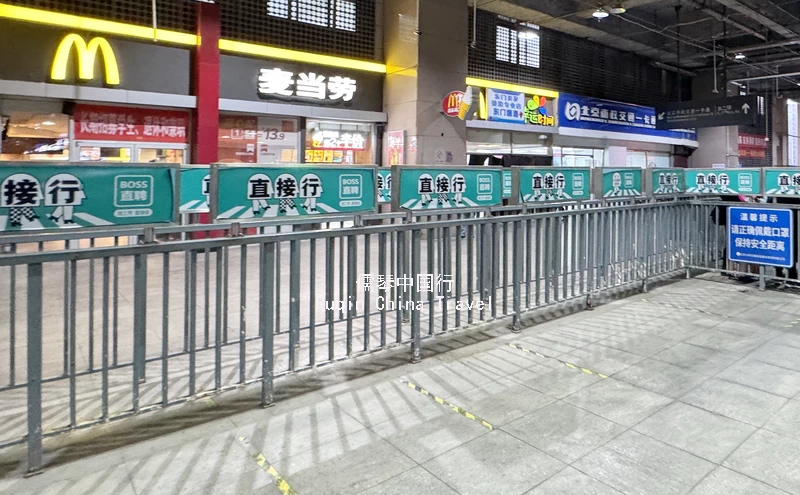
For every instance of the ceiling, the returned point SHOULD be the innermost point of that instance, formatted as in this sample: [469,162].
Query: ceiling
[683,34]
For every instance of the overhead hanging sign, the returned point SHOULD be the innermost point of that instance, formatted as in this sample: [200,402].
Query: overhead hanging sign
[268,192]
[723,181]
[545,184]
[447,187]
[36,197]
[580,112]
[763,236]
[735,110]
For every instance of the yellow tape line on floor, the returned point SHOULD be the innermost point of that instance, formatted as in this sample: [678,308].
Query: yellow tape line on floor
[281,483]
[565,363]
[454,407]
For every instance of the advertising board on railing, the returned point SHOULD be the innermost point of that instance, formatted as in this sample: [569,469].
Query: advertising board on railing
[279,191]
[384,185]
[56,196]
[666,181]
[621,182]
[444,187]
[543,184]
[781,182]
[723,181]
[195,188]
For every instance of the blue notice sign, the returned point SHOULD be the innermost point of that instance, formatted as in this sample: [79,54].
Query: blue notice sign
[762,236]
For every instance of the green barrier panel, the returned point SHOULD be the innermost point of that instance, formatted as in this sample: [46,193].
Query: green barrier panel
[543,184]
[716,181]
[621,182]
[666,181]
[444,187]
[55,196]
[195,187]
[384,185]
[279,191]
[782,182]
[508,183]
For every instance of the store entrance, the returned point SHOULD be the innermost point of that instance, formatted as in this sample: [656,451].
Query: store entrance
[122,152]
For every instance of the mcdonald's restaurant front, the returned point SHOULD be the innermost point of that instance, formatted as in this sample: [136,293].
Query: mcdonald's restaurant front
[71,95]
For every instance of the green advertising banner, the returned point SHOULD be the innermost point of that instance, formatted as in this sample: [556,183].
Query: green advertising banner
[723,181]
[622,182]
[195,184]
[781,182]
[668,180]
[449,187]
[264,192]
[539,185]
[508,183]
[36,197]
[384,185]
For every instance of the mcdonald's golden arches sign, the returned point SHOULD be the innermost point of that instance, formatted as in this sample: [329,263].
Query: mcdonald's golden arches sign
[86,54]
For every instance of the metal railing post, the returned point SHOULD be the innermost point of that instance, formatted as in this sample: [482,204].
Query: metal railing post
[139,324]
[416,330]
[34,368]
[266,322]
[517,273]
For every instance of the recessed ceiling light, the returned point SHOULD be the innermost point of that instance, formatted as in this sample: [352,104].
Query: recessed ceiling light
[740,56]
[619,9]
[48,122]
[600,14]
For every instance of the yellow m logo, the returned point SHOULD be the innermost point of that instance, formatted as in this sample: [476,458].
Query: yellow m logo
[86,57]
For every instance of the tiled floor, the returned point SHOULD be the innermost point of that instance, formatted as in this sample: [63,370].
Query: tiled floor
[679,391]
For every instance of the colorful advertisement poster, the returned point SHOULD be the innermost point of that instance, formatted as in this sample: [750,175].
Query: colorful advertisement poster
[264,192]
[106,123]
[540,185]
[782,182]
[397,147]
[622,182]
[723,181]
[668,180]
[449,187]
[36,197]
[384,185]
[195,185]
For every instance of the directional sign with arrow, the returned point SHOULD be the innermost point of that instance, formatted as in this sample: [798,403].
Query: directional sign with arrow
[736,110]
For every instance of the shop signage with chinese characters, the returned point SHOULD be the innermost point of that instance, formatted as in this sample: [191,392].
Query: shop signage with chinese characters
[452,103]
[752,146]
[544,184]
[505,106]
[264,192]
[448,187]
[105,123]
[723,181]
[580,112]
[735,110]
[278,83]
[763,236]
[396,147]
[195,189]
[621,182]
[37,197]
[668,180]
[338,140]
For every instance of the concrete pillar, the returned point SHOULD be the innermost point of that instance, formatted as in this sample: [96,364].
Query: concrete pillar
[426,44]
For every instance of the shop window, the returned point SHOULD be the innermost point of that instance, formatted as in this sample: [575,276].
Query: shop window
[517,47]
[31,136]
[251,139]
[577,157]
[337,14]
[336,142]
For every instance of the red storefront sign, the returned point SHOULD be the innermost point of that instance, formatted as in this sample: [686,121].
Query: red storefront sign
[451,103]
[106,123]
[752,146]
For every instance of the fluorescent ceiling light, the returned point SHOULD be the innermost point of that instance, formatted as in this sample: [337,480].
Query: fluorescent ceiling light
[48,122]
[619,9]
[740,56]
[600,14]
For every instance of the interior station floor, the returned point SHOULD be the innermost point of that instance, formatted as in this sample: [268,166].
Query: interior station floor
[691,388]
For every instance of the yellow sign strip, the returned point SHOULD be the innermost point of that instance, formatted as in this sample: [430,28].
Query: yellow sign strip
[281,483]
[673,306]
[486,83]
[454,407]
[298,56]
[565,363]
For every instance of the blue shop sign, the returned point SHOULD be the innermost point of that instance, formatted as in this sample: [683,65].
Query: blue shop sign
[582,112]
[762,236]
[505,106]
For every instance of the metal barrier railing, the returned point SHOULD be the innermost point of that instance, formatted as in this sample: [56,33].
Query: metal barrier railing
[104,333]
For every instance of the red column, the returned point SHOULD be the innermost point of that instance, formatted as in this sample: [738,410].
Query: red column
[205,86]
